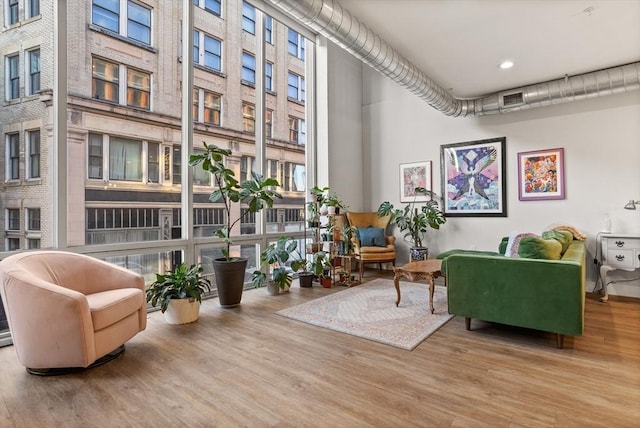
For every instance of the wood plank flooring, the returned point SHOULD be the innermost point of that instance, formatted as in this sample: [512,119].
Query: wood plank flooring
[248,367]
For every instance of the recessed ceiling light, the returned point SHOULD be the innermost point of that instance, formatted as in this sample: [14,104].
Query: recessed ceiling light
[506,64]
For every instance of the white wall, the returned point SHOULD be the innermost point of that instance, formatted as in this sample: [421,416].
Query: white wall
[601,139]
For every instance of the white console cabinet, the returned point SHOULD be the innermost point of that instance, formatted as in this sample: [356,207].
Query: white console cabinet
[618,251]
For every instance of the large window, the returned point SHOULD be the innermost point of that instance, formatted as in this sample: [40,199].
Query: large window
[297,131]
[13,219]
[295,90]
[12,76]
[33,219]
[12,11]
[125,159]
[268,29]
[207,51]
[248,18]
[33,8]
[33,154]
[34,72]
[106,84]
[13,157]
[295,44]
[268,76]
[95,156]
[212,6]
[211,107]
[126,18]
[248,117]
[248,68]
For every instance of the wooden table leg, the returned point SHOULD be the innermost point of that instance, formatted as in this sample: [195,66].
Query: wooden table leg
[396,282]
[432,288]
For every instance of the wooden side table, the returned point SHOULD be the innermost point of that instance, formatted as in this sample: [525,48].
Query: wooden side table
[416,271]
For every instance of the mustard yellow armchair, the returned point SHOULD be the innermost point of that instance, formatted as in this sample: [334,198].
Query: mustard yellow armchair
[371,244]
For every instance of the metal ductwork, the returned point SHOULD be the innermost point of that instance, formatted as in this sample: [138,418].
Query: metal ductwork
[329,18]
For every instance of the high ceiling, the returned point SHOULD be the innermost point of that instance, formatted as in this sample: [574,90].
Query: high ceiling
[460,43]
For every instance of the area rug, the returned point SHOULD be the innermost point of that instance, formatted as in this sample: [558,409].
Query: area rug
[369,311]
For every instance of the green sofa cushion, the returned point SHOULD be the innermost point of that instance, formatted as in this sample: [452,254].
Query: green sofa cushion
[502,247]
[537,248]
[564,237]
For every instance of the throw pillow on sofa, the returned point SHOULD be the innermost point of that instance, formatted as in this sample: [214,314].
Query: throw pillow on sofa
[564,237]
[371,237]
[514,242]
[537,248]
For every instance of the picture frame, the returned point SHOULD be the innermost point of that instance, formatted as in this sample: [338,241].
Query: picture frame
[412,175]
[474,178]
[541,175]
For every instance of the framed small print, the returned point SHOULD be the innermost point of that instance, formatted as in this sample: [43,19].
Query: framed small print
[541,175]
[473,178]
[412,175]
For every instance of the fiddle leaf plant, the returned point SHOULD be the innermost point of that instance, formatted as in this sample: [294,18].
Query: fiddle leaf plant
[414,221]
[257,193]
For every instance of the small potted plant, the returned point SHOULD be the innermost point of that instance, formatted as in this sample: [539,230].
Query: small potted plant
[333,203]
[256,193]
[179,293]
[274,258]
[321,267]
[414,221]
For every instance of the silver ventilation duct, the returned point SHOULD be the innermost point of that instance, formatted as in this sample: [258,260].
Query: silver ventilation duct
[330,19]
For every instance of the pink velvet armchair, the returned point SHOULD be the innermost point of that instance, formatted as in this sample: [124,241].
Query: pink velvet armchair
[69,311]
[383,251]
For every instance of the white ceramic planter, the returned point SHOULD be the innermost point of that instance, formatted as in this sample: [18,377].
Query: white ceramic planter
[182,311]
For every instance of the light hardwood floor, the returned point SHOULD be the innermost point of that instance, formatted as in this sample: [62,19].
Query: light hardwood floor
[250,367]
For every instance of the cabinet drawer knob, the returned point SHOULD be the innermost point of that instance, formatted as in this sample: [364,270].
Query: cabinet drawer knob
[620,244]
[619,257]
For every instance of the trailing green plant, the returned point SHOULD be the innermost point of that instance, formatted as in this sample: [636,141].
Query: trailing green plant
[257,193]
[181,283]
[274,258]
[414,221]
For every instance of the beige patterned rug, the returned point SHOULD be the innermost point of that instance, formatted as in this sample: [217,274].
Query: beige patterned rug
[369,311]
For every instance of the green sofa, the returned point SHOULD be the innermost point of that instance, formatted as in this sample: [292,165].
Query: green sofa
[546,295]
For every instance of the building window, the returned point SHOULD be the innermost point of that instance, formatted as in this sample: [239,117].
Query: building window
[13,219]
[95,156]
[153,163]
[268,29]
[34,72]
[211,55]
[33,219]
[105,82]
[248,117]
[13,77]
[212,6]
[109,13]
[139,23]
[138,89]
[246,164]
[200,176]
[211,108]
[33,244]
[13,157]
[295,90]
[268,76]
[33,167]
[125,159]
[33,8]
[268,123]
[297,131]
[248,68]
[296,44]
[248,18]
[12,12]
[13,244]
[177,165]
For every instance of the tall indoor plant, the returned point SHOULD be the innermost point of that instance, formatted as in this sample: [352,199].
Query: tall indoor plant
[256,193]
[414,220]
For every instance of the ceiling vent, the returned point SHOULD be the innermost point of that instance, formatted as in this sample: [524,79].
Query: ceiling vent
[512,100]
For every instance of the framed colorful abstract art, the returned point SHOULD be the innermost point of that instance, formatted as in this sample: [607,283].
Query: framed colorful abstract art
[541,175]
[473,178]
[412,175]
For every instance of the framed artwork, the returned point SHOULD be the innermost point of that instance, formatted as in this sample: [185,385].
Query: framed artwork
[474,178]
[412,175]
[541,175]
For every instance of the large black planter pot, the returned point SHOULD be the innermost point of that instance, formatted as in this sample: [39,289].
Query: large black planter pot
[419,253]
[306,279]
[230,280]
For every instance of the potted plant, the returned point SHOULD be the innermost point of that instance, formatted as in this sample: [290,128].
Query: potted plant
[414,221]
[333,203]
[179,293]
[256,193]
[321,267]
[274,258]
